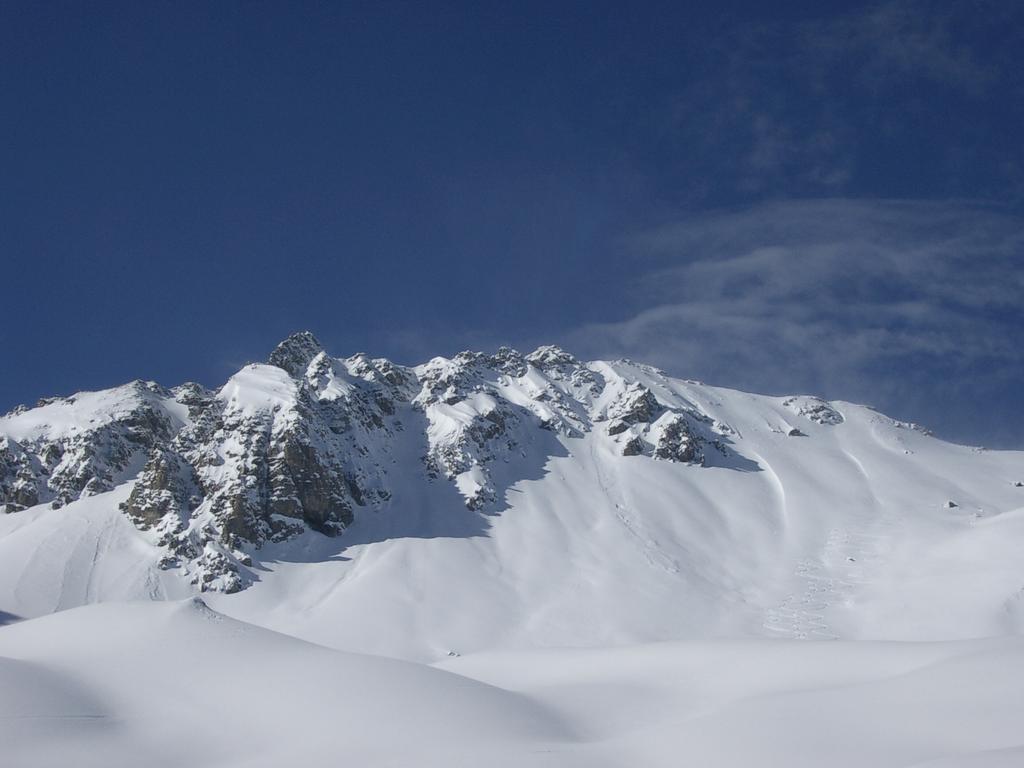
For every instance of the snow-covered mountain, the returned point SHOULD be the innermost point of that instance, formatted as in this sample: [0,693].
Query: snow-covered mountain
[553,542]
[301,443]
[503,501]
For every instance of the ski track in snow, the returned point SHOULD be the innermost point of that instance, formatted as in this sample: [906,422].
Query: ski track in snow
[848,560]
[651,551]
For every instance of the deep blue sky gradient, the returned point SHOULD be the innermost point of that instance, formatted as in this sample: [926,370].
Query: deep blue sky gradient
[186,183]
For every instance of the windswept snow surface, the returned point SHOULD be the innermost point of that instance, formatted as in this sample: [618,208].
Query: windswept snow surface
[831,587]
[177,684]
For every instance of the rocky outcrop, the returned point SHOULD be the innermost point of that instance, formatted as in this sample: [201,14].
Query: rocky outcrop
[295,353]
[636,406]
[83,456]
[21,476]
[814,409]
[167,486]
[471,425]
[677,442]
[270,457]
[633,447]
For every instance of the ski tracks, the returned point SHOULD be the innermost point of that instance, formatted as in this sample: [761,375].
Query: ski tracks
[849,560]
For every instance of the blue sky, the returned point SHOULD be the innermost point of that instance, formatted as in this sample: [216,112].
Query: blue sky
[828,199]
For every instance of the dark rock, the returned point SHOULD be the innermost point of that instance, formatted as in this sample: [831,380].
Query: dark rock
[678,443]
[633,447]
[814,409]
[88,461]
[167,485]
[551,357]
[302,485]
[295,353]
[637,405]
[509,362]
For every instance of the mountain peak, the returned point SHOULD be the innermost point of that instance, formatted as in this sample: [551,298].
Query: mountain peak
[295,353]
[551,355]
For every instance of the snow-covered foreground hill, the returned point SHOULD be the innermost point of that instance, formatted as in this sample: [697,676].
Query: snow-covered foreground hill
[176,684]
[639,567]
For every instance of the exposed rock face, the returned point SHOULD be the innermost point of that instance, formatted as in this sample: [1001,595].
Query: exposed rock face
[272,455]
[633,447]
[677,442]
[470,424]
[637,406]
[643,425]
[20,474]
[58,457]
[307,442]
[166,486]
[814,409]
[295,353]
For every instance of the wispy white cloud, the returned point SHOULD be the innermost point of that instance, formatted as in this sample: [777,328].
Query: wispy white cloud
[902,40]
[827,105]
[913,306]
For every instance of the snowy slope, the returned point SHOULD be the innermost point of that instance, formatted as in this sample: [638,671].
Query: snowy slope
[87,551]
[175,684]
